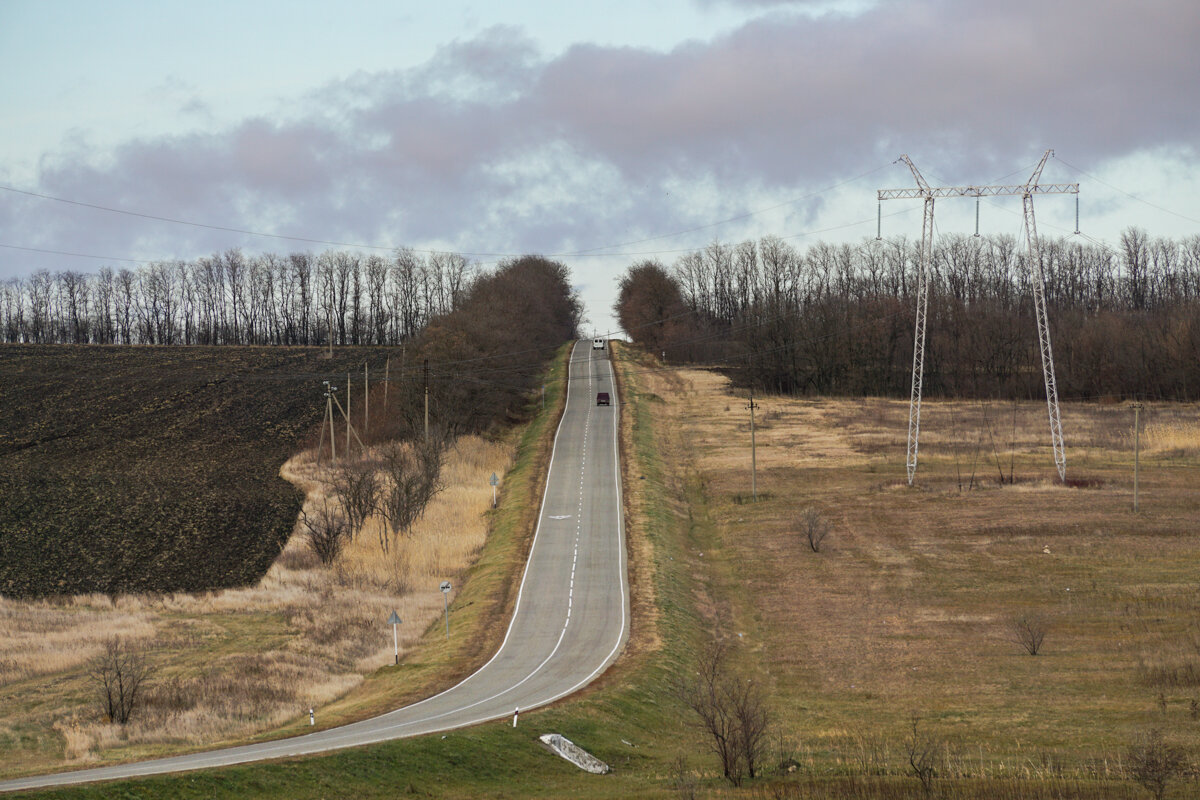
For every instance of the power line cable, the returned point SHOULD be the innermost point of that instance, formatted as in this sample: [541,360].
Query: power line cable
[77,255]
[334,243]
[1128,194]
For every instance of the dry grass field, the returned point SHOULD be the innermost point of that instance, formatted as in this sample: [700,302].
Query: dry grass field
[234,662]
[908,609]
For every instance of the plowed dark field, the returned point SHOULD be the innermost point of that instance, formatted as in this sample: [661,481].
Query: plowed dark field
[134,469]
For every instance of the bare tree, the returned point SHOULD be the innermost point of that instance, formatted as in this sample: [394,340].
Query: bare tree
[357,486]
[752,720]
[923,751]
[327,531]
[119,674]
[1028,630]
[1153,763]
[411,479]
[705,696]
[814,527]
[731,710]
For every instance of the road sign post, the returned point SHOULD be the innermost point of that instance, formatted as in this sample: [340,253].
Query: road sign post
[394,620]
[445,587]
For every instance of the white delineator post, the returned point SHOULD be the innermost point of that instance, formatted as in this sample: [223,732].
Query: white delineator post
[394,620]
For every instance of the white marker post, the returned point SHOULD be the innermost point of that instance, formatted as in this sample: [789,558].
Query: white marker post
[515,713]
[394,620]
[312,717]
[445,587]
[494,481]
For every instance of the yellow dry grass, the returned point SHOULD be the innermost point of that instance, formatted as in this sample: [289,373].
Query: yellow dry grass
[1172,437]
[234,662]
[907,607]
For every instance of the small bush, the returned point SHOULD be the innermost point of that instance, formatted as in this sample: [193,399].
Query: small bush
[814,528]
[1153,763]
[326,532]
[1028,631]
[924,753]
[1173,675]
[119,675]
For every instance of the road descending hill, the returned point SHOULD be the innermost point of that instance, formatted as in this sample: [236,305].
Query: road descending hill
[571,617]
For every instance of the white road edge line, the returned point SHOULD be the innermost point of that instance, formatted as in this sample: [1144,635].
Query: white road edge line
[285,747]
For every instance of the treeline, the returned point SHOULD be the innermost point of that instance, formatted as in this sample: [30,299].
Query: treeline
[838,319]
[156,469]
[488,354]
[232,298]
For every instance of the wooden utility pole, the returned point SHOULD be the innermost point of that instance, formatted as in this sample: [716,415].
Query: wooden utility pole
[329,390]
[1137,432]
[427,401]
[387,368]
[347,412]
[349,427]
[753,451]
[332,437]
[325,420]
[366,402]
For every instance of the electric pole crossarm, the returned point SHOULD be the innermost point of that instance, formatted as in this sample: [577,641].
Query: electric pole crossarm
[978,191]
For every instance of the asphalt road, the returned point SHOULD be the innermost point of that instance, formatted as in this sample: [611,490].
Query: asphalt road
[571,618]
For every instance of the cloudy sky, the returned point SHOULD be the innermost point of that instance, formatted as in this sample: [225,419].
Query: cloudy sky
[622,131]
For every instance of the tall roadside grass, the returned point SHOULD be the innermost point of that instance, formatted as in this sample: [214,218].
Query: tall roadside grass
[1176,436]
[231,663]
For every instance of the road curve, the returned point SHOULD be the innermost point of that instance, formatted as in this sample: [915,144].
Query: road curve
[571,617]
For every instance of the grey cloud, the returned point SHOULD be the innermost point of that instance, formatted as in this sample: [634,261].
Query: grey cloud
[796,98]
[456,150]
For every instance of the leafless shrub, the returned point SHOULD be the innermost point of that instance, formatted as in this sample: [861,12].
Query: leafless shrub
[326,532]
[1171,673]
[814,527]
[119,674]
[924,753]
[732,711]
[1153,763]
[1028,631]
[683,780]
[357,486]
[411,479]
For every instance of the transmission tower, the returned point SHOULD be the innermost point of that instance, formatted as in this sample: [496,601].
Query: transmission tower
[1027,190]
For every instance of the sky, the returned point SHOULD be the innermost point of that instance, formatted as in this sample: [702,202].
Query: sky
[597,134]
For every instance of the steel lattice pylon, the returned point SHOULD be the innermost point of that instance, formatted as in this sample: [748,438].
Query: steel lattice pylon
[1026,191]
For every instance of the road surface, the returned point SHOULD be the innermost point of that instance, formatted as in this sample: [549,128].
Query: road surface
[571,617]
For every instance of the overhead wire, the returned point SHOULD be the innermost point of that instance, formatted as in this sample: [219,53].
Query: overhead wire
[334,243]
[1131,196]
